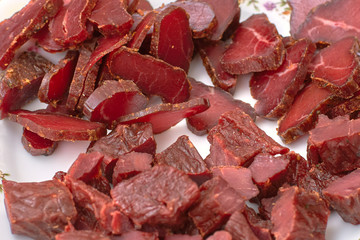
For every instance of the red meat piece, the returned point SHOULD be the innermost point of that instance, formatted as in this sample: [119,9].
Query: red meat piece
[39,210]
[348,107]
[112,100]
[161,185]
[22,25]
[171,40]
[256,47]
[337,67]
[275,90]
[239,227]
[144,5]
[217,202]
[114,220]
[131,164]
[86,166]
[331,21]
[37,145]
[259,226]
[165,115]
[220,102]
[183,237]
[138,235]
[142,29]
[81,235]
[20,82]
[238,178]
[153,76]
[220,235]
[237,139]
[45,40]
[111,18]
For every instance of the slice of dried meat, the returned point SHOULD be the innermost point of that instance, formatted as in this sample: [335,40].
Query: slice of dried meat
[171,40]
[44,39]
[275,90]
[142,29]
[331,21]
[151,75]
[337,67]
[22,25]
[220,102]
[257,46]
[37,145]
[112,100]
[348,107]
[165,115]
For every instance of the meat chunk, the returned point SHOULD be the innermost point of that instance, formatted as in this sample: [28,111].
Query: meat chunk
[220,235]
[161,185]
[348,107]
[239,227]
[38,210]
[256,47]
[137,235]
[86,167]
[81,235]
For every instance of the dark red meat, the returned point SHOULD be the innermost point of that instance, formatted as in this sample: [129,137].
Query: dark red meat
[256,47]
[165,115]
[86,167]
[275,90]
[45,40]
[259,226]
[39,210]
[239,227]
[236,140]
[220,235]
[182,237]
[114,220]
[37,145]
[22,25]
[111,18]
[153,76]
[298,214]
[112,100]
[138,235]
[160,186]
[348,107]
[20,82]
[171,40]
[81,235]
[220,102]
[142,29]
[331,21]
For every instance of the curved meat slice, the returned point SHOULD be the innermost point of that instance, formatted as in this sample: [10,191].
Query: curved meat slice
[36,145]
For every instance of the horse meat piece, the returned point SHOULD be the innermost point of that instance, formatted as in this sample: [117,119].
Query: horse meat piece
[36,145]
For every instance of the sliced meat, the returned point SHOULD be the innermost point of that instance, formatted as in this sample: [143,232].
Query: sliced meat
[142,29]
[182,237]
[36,145]
[45,40]
[348,107]
[275,90]
[257,46]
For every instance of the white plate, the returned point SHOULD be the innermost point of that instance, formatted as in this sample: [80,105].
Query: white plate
[23,167]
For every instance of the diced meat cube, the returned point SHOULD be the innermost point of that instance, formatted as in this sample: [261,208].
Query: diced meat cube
[113,220]
[86,167]
[239,227]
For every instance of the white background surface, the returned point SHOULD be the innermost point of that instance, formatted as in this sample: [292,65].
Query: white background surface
[23,167]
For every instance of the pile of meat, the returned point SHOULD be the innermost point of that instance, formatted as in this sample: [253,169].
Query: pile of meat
[122,52]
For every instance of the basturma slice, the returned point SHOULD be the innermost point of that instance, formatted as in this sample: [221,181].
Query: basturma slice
[337,67]
[57,80]
[36,145]
[112,100]
[160,195]
[141,30]
[256,47]
[348,107]
[331,21]
[275,90]
[20,82]
[220,102]
[58,127]
[151,75]
[16,30]
[303,113]
[45,41]
[111,18]
[165,115]
[171,40]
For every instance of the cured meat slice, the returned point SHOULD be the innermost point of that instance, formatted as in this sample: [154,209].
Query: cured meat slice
[343,194]
[202,19]
[238,178]
[299,11]
[86,167]
[111,18]
[337,67]
[38,209]
[161,185]
[57,80]
[144,5]
[68,28]
[239,227]
[183,155]
[171,40]
[331,21]
[226,12]
[37,145]
[112,100]
[220,102]
[20,82]
[59,127]
[303,113]
[216,204]
[211,55]
[44,39]
[257,46]
[275,90]
[81,235]
[151,75]
[298,214]
[335,143]
[165,115]
[348,107]
[141,30]
[22,25]
[237,139]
